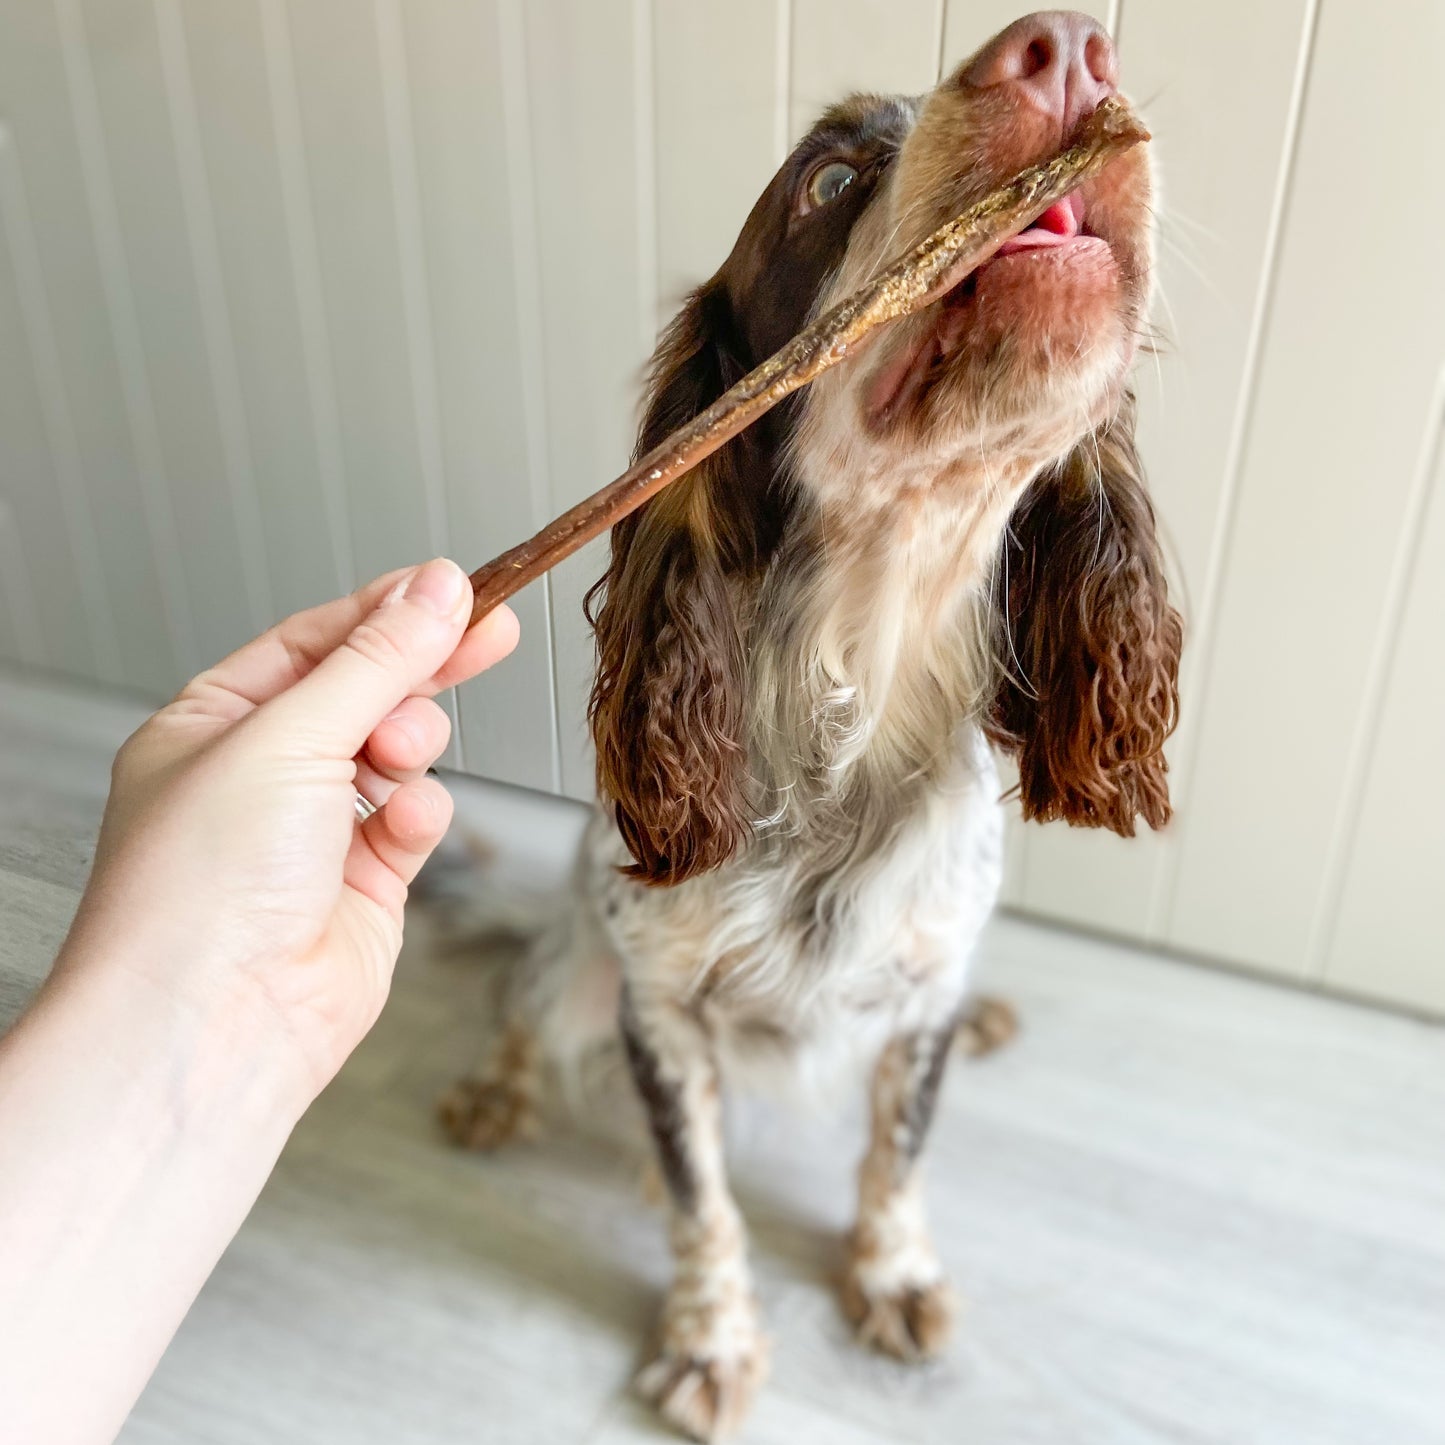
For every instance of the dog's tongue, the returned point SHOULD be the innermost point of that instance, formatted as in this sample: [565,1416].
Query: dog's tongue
[1062,218]
[1061,222]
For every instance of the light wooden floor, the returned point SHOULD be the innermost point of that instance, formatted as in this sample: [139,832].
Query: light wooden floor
[1183,1207]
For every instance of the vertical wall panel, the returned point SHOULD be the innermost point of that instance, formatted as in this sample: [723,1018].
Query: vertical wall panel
[1345,379]
[226,592]
[117,57]
[30,486]
[889,46]
[1382,936]
[338,82]
[306,529]
[61,488]
[716,73]
[232,426]
[20,637]
[1219,189]
[597,307]
[128,502]
[488,383]
[395,73]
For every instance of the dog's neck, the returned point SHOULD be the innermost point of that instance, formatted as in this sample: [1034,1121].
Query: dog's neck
[870,647]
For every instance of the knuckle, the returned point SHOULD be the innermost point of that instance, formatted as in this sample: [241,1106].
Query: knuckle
[378,645]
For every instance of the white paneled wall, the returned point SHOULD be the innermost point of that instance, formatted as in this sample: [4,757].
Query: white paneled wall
[1329,491]
[294,291]
[1377,928]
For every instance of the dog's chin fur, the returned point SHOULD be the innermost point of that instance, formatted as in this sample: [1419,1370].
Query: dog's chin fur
[1041,342]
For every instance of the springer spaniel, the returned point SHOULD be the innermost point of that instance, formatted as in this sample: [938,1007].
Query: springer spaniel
[806,648]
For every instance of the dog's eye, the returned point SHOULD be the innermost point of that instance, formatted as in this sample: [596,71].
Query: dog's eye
[829,182]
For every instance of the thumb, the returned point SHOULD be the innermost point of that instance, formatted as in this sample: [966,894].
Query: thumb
[389,655]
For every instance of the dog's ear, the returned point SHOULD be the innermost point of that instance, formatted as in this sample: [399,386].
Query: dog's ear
[1089,652]
[667,701]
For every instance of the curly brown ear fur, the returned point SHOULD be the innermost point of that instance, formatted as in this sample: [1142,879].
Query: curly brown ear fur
[1090,662]
[667,701]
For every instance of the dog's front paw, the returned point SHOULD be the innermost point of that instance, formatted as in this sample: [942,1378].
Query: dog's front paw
[709,1367]
[986,1025]
[486,1113]
[908,1319]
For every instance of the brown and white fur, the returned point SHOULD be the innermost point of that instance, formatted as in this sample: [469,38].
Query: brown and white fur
[807,648]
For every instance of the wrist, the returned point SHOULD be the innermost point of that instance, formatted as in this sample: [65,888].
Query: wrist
[220,1055]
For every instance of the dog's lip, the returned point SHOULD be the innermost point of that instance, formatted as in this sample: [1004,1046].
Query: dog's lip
[1062,223]
[904,376]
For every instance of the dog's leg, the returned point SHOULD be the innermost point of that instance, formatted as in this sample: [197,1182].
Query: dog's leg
[894,1290]
[553,1005]
[712,1355]
[499,1102]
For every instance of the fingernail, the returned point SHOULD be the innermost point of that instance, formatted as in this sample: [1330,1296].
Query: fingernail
[439,585]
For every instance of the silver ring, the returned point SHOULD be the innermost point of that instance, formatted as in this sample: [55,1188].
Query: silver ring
[364,808]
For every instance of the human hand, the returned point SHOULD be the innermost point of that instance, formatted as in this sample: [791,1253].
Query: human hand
[231,874]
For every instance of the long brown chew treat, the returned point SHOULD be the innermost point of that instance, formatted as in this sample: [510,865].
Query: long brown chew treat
[909,284]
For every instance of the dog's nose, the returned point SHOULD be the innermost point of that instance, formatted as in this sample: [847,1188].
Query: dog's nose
[1060,61]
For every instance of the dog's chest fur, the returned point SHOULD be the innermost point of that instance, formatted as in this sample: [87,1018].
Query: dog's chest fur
[780,957]
[877,841]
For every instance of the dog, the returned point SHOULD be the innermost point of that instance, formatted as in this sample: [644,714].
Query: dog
[809,649]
